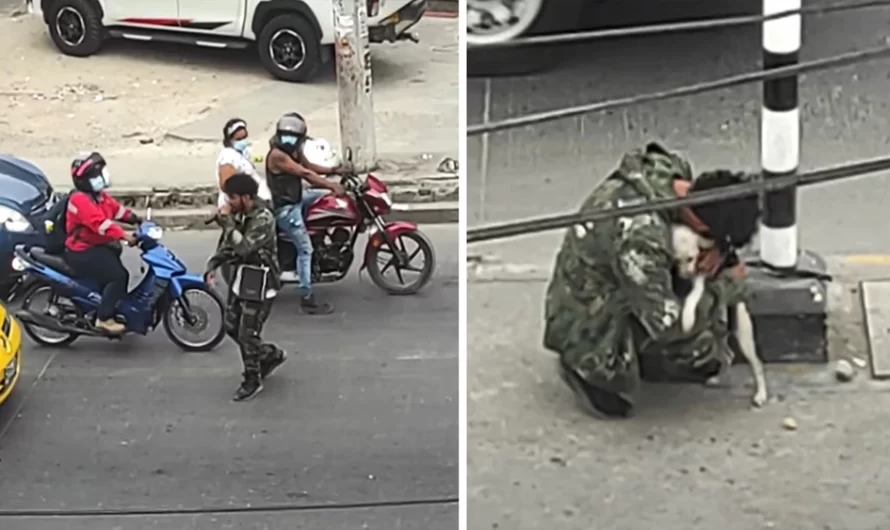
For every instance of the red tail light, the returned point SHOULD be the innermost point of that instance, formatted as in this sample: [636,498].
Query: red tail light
[373,8]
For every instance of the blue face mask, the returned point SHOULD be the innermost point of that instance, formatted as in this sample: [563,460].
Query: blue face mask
[289,140]
[98,184]
[241,145]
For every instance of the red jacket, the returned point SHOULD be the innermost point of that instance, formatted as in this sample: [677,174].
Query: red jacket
[90,222]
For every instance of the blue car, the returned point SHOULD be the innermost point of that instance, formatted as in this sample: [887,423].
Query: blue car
[25,197]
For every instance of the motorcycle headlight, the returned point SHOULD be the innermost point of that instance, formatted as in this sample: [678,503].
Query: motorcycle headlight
[13,221]
[155,232]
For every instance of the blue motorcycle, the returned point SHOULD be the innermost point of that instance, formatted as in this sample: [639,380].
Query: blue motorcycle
[166,293]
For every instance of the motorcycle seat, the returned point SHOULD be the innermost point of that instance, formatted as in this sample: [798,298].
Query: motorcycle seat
[58,263]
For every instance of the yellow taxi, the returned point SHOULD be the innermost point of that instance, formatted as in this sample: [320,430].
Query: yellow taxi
[10,353]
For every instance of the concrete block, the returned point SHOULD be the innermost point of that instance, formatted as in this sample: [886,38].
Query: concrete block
[790,310]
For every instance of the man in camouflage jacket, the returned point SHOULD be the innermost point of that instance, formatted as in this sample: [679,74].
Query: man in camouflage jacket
[611,311]
[248,238]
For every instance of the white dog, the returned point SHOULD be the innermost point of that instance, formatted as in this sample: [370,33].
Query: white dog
[687,244]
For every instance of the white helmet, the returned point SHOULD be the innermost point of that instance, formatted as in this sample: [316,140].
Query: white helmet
[319,152]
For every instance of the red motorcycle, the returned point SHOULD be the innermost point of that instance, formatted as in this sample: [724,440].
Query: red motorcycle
[334,224]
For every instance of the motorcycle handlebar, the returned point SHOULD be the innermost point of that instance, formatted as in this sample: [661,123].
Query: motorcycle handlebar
[353,182]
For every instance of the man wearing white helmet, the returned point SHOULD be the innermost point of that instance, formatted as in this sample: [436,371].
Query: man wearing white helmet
[285,172]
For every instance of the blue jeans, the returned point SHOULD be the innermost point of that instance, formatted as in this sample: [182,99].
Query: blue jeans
[290,219]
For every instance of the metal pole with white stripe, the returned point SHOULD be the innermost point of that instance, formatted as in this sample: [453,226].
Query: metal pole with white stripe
[790,311]
[780,135]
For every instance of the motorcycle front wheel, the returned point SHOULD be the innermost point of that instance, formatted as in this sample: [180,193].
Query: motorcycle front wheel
[409,247]
[199,311]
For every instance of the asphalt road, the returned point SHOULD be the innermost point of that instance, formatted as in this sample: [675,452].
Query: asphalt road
[359,429]
[547,168]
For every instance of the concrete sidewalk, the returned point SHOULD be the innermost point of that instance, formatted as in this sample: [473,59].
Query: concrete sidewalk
[691,457]
[416,104]
[182,189]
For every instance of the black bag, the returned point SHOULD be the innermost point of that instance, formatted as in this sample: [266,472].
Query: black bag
[54,226]
[251,283]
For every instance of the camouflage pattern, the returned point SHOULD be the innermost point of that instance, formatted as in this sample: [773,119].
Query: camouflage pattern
[244,323]
[248,238]
[610,301]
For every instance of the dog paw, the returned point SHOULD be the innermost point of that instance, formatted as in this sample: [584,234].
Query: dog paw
[759,399]
[714,381]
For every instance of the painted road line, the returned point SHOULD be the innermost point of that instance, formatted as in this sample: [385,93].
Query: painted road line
[866,259]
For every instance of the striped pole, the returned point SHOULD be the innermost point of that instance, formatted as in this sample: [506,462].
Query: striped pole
[780,135]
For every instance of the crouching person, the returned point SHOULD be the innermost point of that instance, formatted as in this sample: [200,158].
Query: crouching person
[611,312]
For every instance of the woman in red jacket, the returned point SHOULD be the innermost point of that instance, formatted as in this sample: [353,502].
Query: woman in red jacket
[92,243]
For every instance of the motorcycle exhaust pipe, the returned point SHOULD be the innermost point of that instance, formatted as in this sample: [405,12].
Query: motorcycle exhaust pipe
[43,321]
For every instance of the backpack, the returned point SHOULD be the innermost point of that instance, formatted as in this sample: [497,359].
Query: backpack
[54,226]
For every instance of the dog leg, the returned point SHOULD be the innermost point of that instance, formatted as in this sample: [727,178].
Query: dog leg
[721,378]
[744,334]
[687,320]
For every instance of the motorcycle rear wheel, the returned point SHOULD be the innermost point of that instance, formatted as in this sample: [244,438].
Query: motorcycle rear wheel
[38,334]
[424,246]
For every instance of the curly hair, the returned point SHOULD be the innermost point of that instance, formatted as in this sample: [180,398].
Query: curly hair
[732,223]
[241,184]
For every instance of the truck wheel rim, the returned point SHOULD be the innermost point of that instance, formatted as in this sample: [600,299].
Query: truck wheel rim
[496,21]
[70,26]
[287,49]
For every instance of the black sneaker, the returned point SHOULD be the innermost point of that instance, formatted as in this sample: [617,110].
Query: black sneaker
[313,307]
[249,388]
[592,400]
[271,363]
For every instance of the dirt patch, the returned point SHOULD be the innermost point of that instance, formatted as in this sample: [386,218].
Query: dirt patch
[129,91]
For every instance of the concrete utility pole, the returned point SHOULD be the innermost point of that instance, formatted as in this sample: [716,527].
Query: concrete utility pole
[353,56]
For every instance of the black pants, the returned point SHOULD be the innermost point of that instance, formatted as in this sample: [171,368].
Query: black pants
[102,265]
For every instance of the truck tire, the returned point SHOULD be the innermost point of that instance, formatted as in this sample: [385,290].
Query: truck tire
[556,16]
[289,48]
[75,26]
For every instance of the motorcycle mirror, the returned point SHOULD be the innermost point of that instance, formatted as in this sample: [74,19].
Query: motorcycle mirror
[148,208]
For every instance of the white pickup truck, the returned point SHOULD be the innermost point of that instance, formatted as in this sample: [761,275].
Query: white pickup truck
[293,37]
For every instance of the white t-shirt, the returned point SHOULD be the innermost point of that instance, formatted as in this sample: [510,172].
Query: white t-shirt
[243,164]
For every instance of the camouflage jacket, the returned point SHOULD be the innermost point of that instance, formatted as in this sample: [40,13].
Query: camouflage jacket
[611,293]
[248,238]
